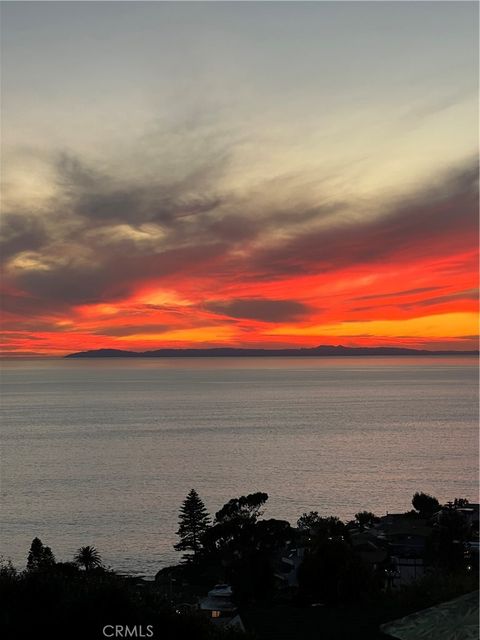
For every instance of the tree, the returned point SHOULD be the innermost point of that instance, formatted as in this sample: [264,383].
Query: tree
[425,504]
[365,518]
[88,557]
[193,523]
[39,556]
[253,557]
[7,570]
[308,521]
[244,548]
[246,553]
[315,529]
[245,509]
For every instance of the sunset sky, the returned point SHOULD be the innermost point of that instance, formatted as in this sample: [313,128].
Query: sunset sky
[246,174]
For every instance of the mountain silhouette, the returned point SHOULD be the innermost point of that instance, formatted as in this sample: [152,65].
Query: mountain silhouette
[219,352]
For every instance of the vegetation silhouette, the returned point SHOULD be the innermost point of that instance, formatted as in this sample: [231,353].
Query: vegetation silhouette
[88,558]
[425,504]
[238,548]
[77,598]
[64,601]
[193,523]
[366,519]
[39,556]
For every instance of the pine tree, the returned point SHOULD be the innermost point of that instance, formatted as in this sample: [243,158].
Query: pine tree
[39,556]
[193,522]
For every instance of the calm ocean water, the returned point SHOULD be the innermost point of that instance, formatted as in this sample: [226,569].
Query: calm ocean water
[103,452]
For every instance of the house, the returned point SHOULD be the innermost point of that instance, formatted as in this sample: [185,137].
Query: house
[406,570]
[287,567]
[469,511]
[220,608]
[370,549]
[471,514]
[404,535]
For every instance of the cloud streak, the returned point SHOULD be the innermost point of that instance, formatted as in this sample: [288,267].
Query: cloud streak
[261,309]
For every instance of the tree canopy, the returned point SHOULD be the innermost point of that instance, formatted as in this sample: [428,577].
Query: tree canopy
[39,556]
[88,557]
[366,518]
[243,509]
[425,504]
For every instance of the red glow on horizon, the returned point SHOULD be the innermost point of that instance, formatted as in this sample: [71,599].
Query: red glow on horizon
[182,311]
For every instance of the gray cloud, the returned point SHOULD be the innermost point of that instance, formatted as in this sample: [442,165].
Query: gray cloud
[21,231]
[260,309]
[27,306]
[128,330]
[438,220]
[114,277]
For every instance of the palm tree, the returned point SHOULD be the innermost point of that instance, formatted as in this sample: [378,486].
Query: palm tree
[88,557]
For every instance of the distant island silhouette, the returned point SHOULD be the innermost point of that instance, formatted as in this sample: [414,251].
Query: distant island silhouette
[233,352]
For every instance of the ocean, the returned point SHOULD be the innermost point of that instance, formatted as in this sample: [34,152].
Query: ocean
[102,452]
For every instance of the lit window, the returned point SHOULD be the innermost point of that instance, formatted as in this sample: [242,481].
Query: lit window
[215,614]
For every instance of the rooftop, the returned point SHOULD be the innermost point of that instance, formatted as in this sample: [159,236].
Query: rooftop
[453,620]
